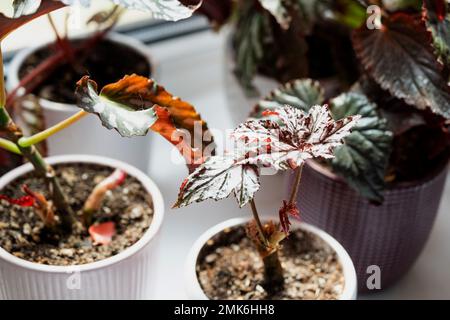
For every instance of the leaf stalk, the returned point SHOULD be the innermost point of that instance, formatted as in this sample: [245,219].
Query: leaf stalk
[296,186]
[9,146]
[25,142]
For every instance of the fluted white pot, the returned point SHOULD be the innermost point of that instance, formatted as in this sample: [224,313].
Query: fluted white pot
[195,292]
[127,275]
[88,136]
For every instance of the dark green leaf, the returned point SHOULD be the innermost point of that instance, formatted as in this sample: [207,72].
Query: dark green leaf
[252,32]
[363,159]
[301,94]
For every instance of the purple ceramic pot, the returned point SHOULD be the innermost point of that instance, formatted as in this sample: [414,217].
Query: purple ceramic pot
[390,236]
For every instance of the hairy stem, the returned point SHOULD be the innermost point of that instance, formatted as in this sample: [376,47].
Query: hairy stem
[296,186]
[262,233]
[43,135]
[38,162]
[273,271]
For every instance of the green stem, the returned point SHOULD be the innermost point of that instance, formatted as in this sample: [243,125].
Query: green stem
[9,146]
[31,154]
[43,135]
[59,198]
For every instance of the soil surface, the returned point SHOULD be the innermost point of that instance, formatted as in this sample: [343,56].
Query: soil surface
[229,267]
[106,63]
[23,234]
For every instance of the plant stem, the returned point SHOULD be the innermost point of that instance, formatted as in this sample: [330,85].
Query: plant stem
[63,43]
[41,136]
[53,25]
[259,225]
[295,188]
[9,146]
[42,168]
[273,271]
[2,82]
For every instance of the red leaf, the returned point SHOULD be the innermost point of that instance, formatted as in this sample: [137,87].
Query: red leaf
[25,201]
[400,58]
[288,209]
[102,233]
[8,25]
[267,113]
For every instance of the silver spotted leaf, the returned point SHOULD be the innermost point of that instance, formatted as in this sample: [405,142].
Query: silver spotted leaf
[216,179]
[172,10]
[263,143]
[292,137]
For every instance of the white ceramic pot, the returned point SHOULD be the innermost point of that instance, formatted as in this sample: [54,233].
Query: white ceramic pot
[127,275]
[195,292]
[239,104]
[88,136]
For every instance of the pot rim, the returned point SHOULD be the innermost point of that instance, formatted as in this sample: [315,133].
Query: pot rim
[195,291]
[16,63]
[319,168]
[148,184]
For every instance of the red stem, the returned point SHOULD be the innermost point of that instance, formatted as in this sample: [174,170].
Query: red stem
[43,70]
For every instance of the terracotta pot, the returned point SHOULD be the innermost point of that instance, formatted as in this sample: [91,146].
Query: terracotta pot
[390,236]
[130,274]
[195,292]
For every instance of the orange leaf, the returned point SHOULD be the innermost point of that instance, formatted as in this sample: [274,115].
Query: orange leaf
[135,104]
[166,128]
[142,93]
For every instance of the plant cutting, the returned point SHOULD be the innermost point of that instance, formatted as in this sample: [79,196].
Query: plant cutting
[391,172]
[94,214]
[231,268]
